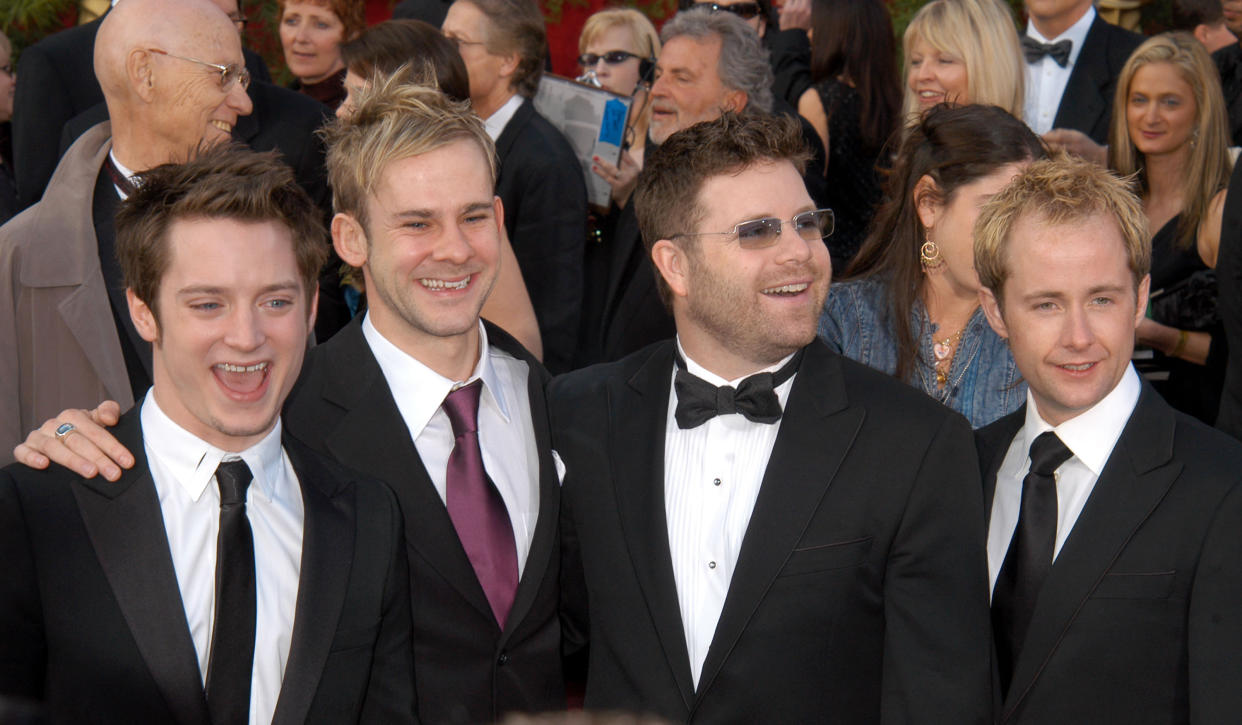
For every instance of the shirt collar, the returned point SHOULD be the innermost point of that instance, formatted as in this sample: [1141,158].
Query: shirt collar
[1092,434]
[125,171]
[422,390]
[1076,34]
[192,461]
[703,373]
[495,123]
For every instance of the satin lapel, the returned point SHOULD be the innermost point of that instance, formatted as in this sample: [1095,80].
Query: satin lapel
[126,528]
[817,431]
[639,407]
[540,554]
[1136,478]
[371,437]
[327,554]
[1082,102]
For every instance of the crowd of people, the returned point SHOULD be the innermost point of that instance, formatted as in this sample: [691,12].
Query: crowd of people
[892,382]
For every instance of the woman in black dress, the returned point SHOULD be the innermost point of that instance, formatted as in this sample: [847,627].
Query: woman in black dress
[853,105]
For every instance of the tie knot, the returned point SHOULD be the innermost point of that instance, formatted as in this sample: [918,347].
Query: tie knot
[233,478]
[1048,453]
[462,408]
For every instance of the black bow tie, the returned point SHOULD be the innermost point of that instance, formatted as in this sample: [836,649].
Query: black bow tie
[1035,50]
[698,401]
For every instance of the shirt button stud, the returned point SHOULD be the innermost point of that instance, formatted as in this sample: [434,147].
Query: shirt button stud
[715,481]
[711,565]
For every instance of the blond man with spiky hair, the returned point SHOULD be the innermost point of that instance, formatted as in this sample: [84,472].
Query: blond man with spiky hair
[1115,521]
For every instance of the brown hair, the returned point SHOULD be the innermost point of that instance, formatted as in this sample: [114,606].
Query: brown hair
[393,120]
[853,39]
[228,182]
[1059,191]
[351,13]
[666,200]
[952,146]
[516,26]
[421,48]
[1208,167]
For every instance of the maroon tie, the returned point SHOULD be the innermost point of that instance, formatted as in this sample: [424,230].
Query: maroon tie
[475,506]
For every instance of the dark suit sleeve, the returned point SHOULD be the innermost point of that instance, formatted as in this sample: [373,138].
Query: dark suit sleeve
[790,56]
[937,644]
[390,694]
[22,645]
[573,601]
[1215,626]
[41,107]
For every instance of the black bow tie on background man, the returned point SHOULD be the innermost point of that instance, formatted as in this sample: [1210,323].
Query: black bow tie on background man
[1035,50]
[698,401]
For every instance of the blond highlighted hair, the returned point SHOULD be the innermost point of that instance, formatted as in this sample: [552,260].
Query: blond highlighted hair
[1059,191]
[982,35]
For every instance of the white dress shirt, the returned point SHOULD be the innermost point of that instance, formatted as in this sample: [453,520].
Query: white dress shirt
[1090,436]
[506,433]
[1046,81]
[125,170]
[495,123]
[183,469]
[712,475]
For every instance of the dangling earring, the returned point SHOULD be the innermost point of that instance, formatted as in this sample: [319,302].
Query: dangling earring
[1194,138]
[929,256]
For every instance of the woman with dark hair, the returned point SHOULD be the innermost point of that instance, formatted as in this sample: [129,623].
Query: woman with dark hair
[853,106]
[911,305]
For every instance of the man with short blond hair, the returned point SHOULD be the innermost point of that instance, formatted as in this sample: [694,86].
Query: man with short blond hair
[1114,520]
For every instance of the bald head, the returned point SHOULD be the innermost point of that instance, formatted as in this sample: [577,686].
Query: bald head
[155,63]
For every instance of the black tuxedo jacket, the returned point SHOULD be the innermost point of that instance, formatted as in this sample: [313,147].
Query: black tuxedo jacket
[91,619]
[544,193]
[1140,618]
[859,594]
[468,670]
[1229,303]
[1087,103]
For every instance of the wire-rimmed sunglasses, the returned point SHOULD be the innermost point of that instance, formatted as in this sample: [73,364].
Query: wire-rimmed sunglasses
[745,11]
[761,233]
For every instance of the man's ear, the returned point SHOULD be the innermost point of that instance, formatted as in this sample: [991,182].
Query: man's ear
[499,206]
[1144,290]
[349,239]
[926,201]
[143,317]
[992,308]
[509,66]
[140,72]
[670,260]
[734,101]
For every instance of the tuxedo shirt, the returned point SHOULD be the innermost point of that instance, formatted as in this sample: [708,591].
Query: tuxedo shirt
[495,123]
[183,469]
[506,432]
[712,475]
[125,170]
[1090,436]
[1046,80]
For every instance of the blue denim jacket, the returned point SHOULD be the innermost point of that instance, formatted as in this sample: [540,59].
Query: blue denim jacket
[984,383]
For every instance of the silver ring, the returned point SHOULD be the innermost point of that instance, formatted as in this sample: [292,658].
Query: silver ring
[63,430]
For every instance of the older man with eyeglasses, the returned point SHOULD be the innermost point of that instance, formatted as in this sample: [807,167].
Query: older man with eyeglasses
[174,81]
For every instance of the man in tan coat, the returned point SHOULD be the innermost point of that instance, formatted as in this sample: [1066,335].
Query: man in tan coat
[174,79]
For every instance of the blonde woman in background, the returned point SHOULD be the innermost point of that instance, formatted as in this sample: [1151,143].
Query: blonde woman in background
[962,52]
[618,49]
[1169,128]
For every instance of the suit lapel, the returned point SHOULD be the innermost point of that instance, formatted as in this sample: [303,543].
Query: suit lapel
[1136,478]
[126,528]
[372,437]
[327,552]
[639,406]
[1083,100]
[817,431]
[513,129]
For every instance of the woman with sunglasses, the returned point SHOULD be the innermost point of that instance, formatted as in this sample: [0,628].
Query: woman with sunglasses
[618,52]
[853,105]
[910,305]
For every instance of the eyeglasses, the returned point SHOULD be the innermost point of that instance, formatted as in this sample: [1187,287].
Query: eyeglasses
[761,233]
[612,57]
[239,20]
[745,11]
[229,74]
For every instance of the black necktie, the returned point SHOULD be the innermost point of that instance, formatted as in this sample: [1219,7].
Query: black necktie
[1030,553]
[1035,50]
[232,638]
[698,401]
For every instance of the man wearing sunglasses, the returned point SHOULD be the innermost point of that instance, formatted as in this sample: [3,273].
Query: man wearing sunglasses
[173,77]
[765,531]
